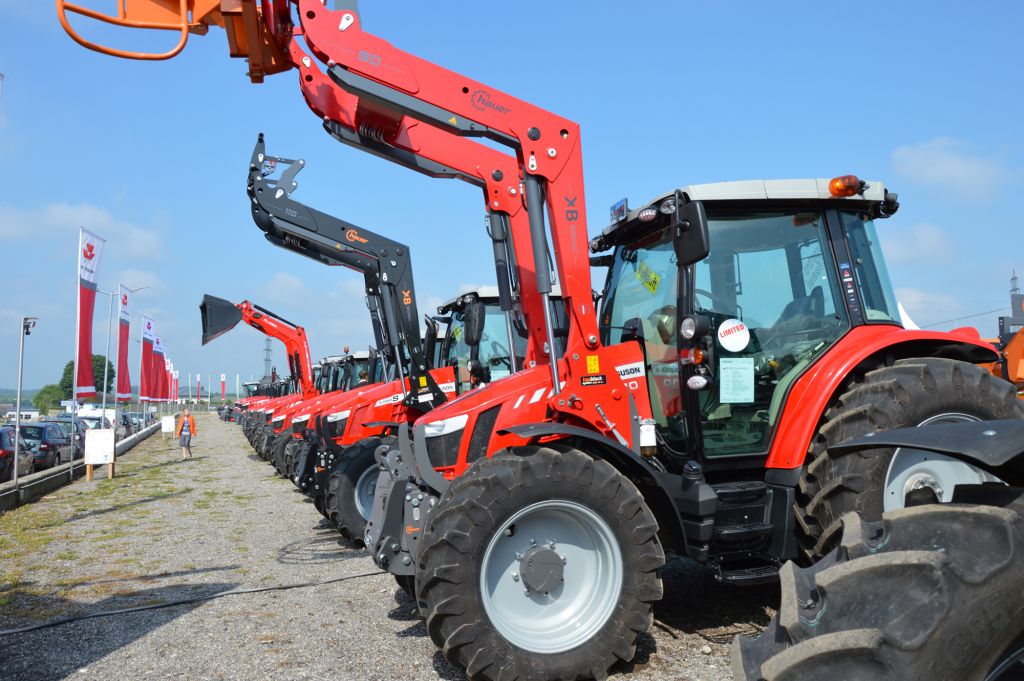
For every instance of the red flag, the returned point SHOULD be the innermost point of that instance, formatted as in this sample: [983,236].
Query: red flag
[124,384]
[146,378]
[158,369]
[223,388]
[90,247]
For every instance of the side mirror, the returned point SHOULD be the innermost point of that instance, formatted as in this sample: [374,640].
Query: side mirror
[474,316]
[690,237]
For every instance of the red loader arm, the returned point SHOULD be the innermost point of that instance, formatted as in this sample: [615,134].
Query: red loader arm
[220,316]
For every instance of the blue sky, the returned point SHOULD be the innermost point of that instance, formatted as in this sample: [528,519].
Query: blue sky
[925,96]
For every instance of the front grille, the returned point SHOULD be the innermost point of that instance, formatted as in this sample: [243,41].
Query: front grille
[443,450]
[482,434]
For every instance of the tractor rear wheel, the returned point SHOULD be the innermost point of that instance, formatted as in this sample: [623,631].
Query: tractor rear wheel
[351,487]
[929,592]
[910,393]
[542,566]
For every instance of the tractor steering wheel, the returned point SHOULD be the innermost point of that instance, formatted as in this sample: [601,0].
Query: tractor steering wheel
[501,355]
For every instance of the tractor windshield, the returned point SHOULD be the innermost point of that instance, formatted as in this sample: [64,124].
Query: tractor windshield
[772,292]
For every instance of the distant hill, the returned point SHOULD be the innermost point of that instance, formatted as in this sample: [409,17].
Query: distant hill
[11,394]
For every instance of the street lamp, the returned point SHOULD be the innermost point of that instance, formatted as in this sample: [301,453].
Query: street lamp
[27,324]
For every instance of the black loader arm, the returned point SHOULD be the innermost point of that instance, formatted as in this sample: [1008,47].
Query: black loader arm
[385,263]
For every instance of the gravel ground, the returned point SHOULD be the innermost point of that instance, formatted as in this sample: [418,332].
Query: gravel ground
[166,530]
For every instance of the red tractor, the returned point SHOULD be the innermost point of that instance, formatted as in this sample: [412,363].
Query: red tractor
[746,331]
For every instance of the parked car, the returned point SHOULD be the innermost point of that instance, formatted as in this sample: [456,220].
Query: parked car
[50,442]
[79,440]
[96,422]
[26,458]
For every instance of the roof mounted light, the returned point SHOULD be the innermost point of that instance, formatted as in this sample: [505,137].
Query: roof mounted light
[668,206]
[845,185]
[647,214]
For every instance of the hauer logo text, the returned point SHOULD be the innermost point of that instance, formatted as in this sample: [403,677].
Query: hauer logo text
[353,235]
[481,101]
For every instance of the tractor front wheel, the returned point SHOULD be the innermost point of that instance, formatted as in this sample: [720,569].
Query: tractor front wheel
[542,565]
[910,393]
[351,487]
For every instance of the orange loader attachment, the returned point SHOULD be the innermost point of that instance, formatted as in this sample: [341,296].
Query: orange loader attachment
[1012,359]
[245,21]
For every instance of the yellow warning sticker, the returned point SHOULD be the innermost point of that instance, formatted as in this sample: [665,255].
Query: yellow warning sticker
[593,364]
[453,120]
[423,381]
[648,277]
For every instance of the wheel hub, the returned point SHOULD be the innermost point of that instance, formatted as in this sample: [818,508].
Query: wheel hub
[542,569]
[922,481]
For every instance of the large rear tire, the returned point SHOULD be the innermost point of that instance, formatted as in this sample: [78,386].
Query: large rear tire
[543,565]
[931,592]
[908,394]
[350,489]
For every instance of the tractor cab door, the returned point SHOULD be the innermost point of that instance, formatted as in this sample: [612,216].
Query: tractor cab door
[771,290]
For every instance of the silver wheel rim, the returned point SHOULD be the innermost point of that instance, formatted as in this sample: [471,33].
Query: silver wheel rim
[912,469]
[580,605]
[366,485]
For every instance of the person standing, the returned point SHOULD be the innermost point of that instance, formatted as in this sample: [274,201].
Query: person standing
[186,431]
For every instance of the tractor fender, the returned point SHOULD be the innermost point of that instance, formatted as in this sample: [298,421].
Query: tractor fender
[652,482]
[991,445]
[810,395]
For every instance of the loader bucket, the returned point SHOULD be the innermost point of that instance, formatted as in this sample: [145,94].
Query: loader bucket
[219,317]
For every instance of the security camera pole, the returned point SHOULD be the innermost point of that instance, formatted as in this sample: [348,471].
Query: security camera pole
[27,324]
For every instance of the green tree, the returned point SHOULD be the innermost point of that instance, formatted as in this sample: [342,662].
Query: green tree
[68,379]
[48,396]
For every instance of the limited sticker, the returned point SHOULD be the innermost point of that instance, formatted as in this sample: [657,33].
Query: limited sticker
[599,379]
[593,364]
[648,277]
[733,335]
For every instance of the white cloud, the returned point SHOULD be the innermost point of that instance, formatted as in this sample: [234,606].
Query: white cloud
[283,288]
[58,220]
[922,242]
[949,166]
[928,307]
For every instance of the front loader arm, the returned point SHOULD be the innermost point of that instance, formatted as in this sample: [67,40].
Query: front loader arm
[220,316]
[297,227]
[436,153]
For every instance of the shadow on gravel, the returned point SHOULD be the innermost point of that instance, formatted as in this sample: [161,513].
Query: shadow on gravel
[321,549]
[59,652]
[118,507]
[445,670]
[152,577]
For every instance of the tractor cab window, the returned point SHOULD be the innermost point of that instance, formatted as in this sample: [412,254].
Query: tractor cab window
[641,306]
[869,269]
[493,353]
[771,289]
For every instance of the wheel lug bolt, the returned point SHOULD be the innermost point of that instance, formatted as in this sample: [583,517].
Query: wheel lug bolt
[515,576]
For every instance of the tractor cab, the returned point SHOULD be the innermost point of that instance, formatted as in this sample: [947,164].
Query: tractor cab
[488,358]
[784,270]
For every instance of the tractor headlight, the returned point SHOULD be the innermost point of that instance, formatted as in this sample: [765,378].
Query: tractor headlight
[336,423]
[278,421]
[445,426]
[443,440]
